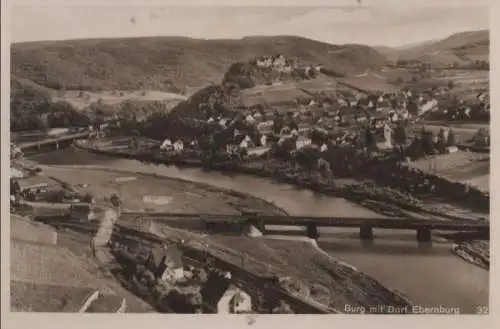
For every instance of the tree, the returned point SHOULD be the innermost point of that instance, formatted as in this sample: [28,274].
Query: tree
[427,143]
[481,138]
[317,136]
[278,124]
[66,123]
[400,137]
[451,84]
[451,138]
[412,107]
[369,140]
[43,122]
[284,149]
[308,156]
[87,198]
[442,140]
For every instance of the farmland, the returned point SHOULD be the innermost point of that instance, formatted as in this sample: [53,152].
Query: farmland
[470,167]
[81,100]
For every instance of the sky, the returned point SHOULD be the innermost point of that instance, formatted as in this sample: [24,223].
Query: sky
[372,22]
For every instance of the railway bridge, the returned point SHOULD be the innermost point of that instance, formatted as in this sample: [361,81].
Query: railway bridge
[56,143]
[228,223]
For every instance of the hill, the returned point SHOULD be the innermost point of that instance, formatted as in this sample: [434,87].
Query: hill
[464,47]
[169,63]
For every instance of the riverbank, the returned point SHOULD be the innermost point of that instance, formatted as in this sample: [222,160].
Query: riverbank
[261,255]
[381,199]
[475,252]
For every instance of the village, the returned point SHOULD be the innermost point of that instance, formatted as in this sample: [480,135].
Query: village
[383,122]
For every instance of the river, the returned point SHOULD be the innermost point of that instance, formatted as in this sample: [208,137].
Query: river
[429,277]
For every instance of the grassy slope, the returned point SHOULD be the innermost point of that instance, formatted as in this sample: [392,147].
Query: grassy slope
[168,63]
[54,278]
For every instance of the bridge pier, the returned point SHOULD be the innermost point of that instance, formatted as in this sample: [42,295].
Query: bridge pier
[258,223]
[424,235]
[366,233]
[312,231]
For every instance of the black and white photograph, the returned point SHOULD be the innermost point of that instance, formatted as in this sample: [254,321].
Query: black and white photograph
[249,159]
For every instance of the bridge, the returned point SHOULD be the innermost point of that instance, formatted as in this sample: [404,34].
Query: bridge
[214,222]
[55,143]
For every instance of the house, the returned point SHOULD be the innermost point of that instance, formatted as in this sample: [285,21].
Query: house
[178,145]
[387,137]
[16,173]
[166,145]
[427,106]
[36,183]
[393,116]
[223,122]
[220,296]
[280,61]
[234,301]
[264,61]
[166,263]
[57,131]
[263,140]
[246,142]
[250,119]
[258,117]
[285,130]
[302,141]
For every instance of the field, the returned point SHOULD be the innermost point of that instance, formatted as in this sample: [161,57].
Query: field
[470,167]
[115,97]
[144,192]
[272,95]
[467,83]
[463,131]
[288,92]
[371,82]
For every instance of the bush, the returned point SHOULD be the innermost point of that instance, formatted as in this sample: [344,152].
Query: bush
[282,308]
[308,156]
[88,198]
